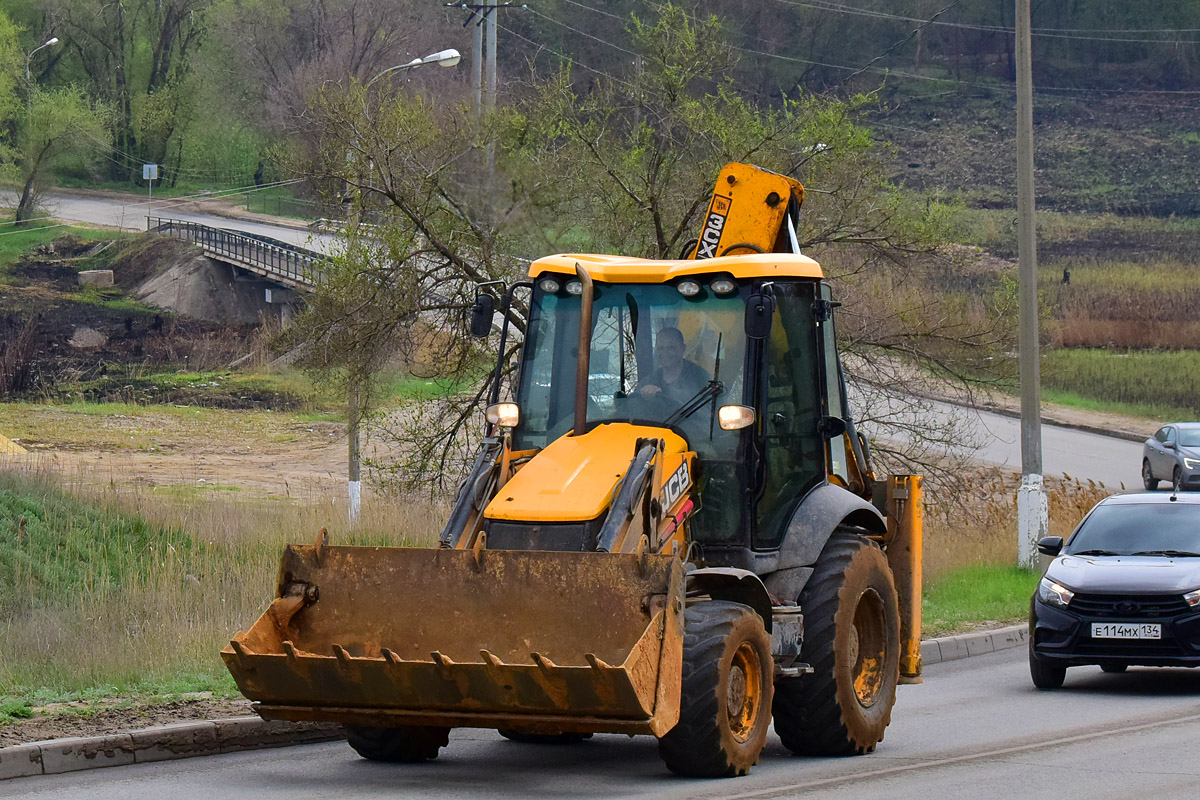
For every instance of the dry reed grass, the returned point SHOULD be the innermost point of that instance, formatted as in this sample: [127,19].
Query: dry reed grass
[165,604]
[980,526]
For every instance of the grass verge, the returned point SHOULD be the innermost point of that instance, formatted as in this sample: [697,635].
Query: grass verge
[976,595]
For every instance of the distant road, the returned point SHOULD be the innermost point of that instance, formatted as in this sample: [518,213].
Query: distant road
[1104,459]
[130,215]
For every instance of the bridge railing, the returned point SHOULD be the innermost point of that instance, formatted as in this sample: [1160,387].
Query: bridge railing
[273,257]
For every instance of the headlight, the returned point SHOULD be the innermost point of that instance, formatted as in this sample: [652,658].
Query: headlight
[1054,594]
[506,415]
[735,417]
[1192,598]
[549,285]
[688,288]
[574,288]
[1191,463]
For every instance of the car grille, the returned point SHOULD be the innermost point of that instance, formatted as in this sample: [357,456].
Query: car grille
[1124,606]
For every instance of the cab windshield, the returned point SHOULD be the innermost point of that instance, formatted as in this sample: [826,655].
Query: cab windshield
[657,358]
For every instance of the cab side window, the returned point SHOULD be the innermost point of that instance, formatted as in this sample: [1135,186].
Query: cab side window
[1161,435]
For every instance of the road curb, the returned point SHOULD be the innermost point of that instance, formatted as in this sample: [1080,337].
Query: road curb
[162,743]
[952,648]
[235,734]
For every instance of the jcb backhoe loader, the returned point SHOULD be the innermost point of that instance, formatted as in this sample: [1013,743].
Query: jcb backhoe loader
[669,530]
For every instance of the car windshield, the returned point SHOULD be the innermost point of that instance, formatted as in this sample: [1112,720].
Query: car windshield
[1149,528]
[1189,437]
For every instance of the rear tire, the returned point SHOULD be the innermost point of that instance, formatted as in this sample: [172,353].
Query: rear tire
[1045,675]
[1148,479]
[726,695]
[1114,669]
[543,738]
[409,744]
[852,642]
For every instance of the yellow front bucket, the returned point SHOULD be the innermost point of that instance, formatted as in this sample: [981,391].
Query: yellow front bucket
[531,641]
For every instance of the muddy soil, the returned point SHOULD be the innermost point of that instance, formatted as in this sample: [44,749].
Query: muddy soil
[75,719]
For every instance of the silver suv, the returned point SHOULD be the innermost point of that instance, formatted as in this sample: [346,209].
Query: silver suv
[1173,454]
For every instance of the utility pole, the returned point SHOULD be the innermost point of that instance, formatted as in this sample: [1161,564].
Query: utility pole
[490,16]
[483,14]
[1032,508]
[477,68]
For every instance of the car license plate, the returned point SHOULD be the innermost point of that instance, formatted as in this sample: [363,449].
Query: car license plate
[1126,630]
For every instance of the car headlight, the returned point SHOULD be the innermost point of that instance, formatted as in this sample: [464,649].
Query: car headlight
[1191,463]
[1054,594]
[1192,598]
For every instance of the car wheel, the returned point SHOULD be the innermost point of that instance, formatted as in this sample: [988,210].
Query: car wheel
[1177,478]
[1114,668]
[1044,675]
[1148,479]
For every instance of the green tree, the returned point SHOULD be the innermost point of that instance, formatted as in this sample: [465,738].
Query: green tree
[61,123]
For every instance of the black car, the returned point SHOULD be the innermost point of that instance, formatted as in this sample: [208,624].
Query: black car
[1124,590]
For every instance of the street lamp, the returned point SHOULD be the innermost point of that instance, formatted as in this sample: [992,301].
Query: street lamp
[447,58]
[47,43]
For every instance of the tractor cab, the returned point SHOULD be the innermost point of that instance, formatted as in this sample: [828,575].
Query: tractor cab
[734,354]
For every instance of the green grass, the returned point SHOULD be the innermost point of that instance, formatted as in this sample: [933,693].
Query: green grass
[403,387]
[1158,385]
[961,598]
[15,242]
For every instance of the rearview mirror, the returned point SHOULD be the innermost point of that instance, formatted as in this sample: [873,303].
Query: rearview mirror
[481,315]
[831,427]
[760,308]
[1169,445]
[1050,545]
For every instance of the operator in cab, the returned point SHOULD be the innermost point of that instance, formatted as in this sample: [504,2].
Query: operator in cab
[674,379]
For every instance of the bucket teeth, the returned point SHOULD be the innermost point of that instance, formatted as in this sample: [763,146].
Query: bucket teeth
[390,657]
[491,658]
[342,656]
[544,663]
[596,663]
[290,650]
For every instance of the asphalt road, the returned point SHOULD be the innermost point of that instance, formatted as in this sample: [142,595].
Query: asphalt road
[1104,459]
[132,215]
[976,727]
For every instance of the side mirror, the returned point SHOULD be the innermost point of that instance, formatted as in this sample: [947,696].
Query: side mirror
[831,427]
[1169,445]
[1050,545]
[760,308]
[481,315]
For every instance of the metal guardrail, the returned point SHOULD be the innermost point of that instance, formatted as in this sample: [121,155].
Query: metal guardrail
[287,263]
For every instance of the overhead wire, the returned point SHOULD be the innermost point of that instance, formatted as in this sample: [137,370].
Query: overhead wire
[1054,33]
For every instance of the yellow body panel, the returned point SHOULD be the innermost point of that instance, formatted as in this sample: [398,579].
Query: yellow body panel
[623,269]
[746,213]
[572,479]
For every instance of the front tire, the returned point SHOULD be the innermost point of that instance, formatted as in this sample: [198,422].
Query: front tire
[1044,674]
[409,744]
[726,695]
[1148,479]
[1114,669]
[1177,479]
[852,642]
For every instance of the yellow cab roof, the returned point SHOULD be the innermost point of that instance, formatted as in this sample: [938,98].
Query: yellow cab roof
[624,269]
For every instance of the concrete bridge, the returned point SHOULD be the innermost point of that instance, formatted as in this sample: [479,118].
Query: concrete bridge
[279,262]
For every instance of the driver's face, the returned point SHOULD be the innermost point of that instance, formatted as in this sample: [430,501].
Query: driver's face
[668,349]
